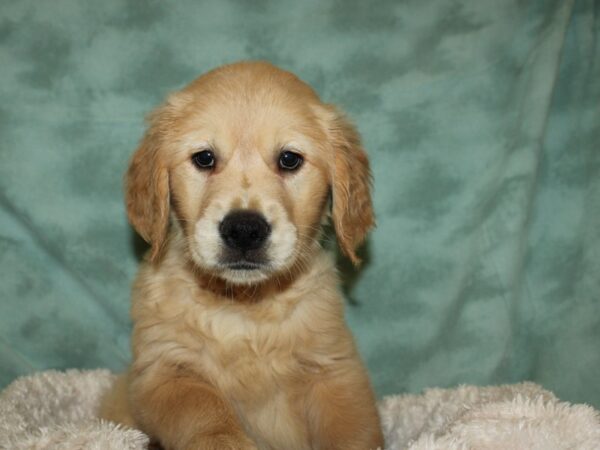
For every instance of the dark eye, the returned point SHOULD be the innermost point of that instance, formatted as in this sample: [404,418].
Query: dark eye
[290,160]
[204,159]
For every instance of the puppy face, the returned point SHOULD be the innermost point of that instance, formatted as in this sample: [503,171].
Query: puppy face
[243,161]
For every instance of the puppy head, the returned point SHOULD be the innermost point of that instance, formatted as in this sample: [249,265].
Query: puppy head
[242,162]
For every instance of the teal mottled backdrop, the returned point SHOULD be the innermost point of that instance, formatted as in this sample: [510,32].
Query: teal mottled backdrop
[482,121]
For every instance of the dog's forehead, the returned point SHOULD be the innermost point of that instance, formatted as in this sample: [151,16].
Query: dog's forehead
[251,91]
[257,117]
[252,124]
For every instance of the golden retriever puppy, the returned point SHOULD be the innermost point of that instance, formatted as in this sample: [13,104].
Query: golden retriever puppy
[239,339]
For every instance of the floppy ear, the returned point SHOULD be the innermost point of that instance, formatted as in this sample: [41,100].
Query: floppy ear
[350,177]
[147,191]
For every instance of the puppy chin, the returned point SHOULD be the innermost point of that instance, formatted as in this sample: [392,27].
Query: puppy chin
[208,258]
[229,273]
[244,277]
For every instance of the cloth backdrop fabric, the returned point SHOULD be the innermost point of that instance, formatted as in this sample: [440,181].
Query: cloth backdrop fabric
[481,118]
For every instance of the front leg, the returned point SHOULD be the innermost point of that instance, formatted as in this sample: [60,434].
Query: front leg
[342,412]
[183,412]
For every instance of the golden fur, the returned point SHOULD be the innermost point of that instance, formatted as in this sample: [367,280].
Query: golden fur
[258,359]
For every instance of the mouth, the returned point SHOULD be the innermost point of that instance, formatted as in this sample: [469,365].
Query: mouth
[244,271]
[245,265]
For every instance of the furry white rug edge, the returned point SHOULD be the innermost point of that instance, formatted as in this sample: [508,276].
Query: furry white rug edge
[57,410]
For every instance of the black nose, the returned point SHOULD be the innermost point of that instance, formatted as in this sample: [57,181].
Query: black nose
[244,230]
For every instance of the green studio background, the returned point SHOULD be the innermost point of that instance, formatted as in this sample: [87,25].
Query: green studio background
[482,121]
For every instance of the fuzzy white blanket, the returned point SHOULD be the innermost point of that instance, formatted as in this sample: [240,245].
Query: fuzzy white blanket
[57,410]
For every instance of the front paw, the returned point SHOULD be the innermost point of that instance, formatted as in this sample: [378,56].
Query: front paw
[222,441]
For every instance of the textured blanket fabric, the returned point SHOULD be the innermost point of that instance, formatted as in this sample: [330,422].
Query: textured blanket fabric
[55,410]
[481,119]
